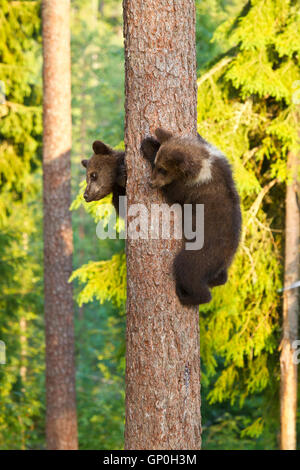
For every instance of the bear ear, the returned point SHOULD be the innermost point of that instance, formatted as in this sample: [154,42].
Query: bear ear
[84,163]
[100,148]
[163,135]
[149,149]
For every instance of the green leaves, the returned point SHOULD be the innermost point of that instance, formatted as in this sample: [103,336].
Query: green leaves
[20,228]
[104,280]
[246,108]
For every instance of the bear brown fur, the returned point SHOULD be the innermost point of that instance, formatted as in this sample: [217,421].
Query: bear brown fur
[105,174]
[189,170]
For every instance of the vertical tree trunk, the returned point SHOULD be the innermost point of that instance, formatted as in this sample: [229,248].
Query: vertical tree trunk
[94,14]
[162,358]
[61,423]
[23,373]
[288,395]
[101,7]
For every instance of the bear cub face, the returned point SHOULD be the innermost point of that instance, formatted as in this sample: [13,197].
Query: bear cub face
[176,159]
[104,171]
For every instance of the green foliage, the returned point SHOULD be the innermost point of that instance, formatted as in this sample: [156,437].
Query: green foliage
[246,109]
[97,75]
[20,227]
[100,376]
[209,16]
[104,280]
[98,113]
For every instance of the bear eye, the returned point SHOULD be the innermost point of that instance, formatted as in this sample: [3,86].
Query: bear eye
[93,176]
[162,171]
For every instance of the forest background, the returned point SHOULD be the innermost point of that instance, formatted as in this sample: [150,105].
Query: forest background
[247,77]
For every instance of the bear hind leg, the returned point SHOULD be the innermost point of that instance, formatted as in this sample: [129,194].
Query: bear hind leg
[202,296]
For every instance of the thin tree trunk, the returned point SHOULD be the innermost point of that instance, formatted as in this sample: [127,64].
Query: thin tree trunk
[162,357]
[288,395]
[23,332]
[23,373]
[94,14]
[61,422]
[23,343]
[101,7]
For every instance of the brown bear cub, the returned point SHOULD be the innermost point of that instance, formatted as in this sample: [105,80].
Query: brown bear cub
[189,170]
[105,174]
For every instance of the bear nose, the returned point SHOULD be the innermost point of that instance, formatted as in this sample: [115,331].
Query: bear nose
[86,196]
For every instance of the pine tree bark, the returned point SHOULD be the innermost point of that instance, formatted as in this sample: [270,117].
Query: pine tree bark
[61,422]
[162,357]
[288,366]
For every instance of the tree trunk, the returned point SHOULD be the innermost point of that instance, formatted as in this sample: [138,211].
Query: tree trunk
[61,423]
[162,357]
[94,14]
[23,373]
[101,7]
[288,394]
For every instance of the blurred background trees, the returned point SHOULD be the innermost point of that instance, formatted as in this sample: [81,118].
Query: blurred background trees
[246,106]
[21,298]
[247,78]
